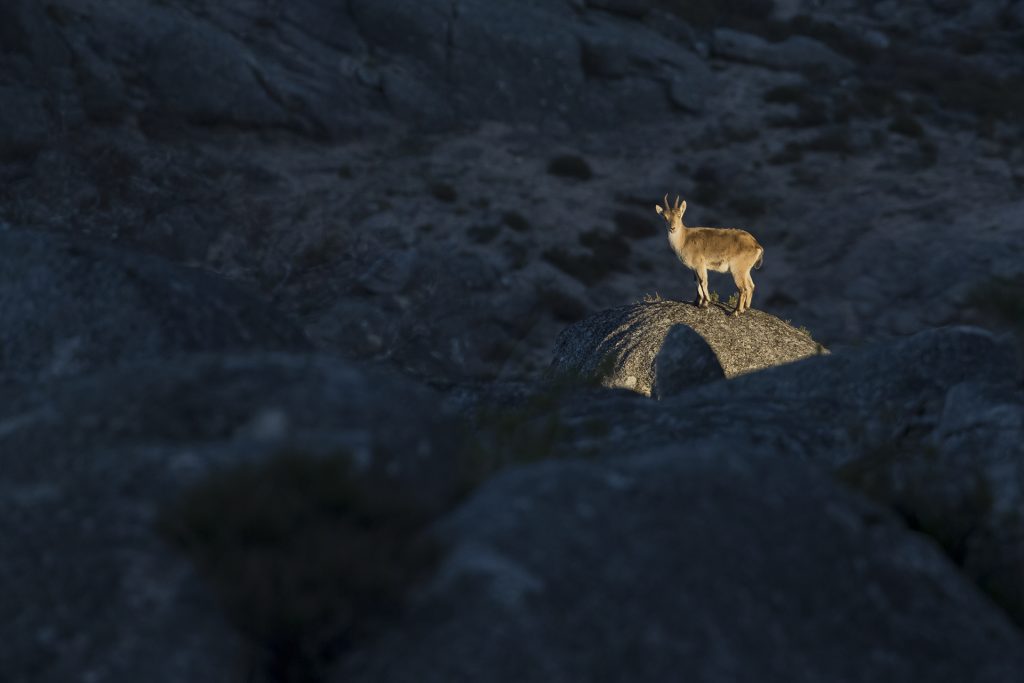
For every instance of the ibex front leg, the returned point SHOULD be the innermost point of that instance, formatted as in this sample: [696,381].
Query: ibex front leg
[703,294]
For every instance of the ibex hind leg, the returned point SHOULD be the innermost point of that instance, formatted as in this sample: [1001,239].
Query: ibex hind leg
[741,292]
[749,290]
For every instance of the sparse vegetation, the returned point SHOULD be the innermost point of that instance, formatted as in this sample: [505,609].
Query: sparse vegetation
[634,226]
[515,221]
[483,234]
[564,306]
[570,166]
[580,265]
[907,125]
[443,192]
[834,140]
[1001,300]
[790,154]
[749,207]
[302,554]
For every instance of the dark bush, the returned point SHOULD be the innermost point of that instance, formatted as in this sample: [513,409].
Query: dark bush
[443,192]
[634,226]
[516,221]
[570,166]
[302,555]
[907,125]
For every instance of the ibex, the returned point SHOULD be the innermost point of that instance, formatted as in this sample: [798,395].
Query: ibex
[719,249]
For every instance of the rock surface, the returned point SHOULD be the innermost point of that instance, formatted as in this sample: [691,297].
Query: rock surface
[89,463]
[688,560]
[69,307]
[622,347]
[440,188]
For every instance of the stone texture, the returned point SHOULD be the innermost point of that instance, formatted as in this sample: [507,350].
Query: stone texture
[24,122]
[706,560]
[207,77]
[620,347]
[798,53]
[89,463]
[68,307]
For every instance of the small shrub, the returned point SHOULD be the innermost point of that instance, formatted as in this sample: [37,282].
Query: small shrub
[907,125]
[530,431]
[301,553]
[515,221]
[634,226]
[443,192]
[714,296]
[570,166]
[787,94]
[733,301]
[482,234]
[580,265]
[563,306]
[607,246]
[749,207]
[516,253]
[1001,299]
[789,154]
[832,141]
[652,298]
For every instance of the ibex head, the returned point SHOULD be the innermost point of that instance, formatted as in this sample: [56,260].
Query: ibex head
[673,215]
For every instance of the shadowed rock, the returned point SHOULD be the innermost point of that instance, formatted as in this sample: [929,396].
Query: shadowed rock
[68,307]
[931,425]
[89,463]
[710,562]
[620,347]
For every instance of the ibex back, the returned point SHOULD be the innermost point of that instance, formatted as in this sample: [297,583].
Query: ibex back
[719,249]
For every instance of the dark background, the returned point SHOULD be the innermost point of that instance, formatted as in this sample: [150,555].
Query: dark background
[234,231]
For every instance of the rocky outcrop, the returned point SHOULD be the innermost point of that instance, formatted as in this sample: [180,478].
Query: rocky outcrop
[624,347]
[929,425]
[68,307]
[92,465]
[963,484]
[796,53]
[708,560]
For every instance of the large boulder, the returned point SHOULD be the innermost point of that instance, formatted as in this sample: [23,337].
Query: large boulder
[205,76]
[620,347]
[26,29]
[831,408]
[930,425]
[100,474]
[715,562]
[24,122]
[68,307]
[796,53]
[962,482]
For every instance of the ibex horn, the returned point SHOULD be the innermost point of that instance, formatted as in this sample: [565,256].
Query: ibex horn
[666,201]
[677,203]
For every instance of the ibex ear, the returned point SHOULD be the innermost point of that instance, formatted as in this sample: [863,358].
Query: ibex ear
[659,210]
[682,208]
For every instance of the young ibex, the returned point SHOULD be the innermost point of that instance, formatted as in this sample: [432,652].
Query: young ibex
[719,249]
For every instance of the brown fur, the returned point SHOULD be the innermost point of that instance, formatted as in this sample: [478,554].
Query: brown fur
[719,249]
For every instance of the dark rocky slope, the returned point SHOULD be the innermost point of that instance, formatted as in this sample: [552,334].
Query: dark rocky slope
[236,239]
